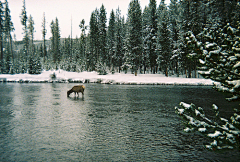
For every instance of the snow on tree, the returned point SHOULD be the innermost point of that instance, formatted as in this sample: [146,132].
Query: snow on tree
[153,28]
[8,28]
[55,39]
[119,40]
[111,39]
[44,32]
[102,33]
[220,52]
[146,39]
[174,19]
[93,54]
[24,19]
[134,34]
[101,68]
[1,37]
[164,40]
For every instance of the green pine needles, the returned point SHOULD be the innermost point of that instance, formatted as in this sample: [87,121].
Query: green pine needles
[219,59]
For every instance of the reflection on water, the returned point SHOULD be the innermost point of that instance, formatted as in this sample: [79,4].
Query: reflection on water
[110,123]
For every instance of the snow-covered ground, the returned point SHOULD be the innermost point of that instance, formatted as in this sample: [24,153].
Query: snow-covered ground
[93,77]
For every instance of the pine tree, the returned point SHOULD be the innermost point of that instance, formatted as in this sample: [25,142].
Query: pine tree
[8,28]
[164,40]
[111,39]
[146,39]
[186,16]
[31,32]
[83,43]
[153,35]
[119,40]
[221,63]
[1,37]
[55,39]
[196,27]
[225,11]
[24,19]
[102,34]
[93,55]
[31,53]
[174,20]
[135,34]
[67,55]
[44,32]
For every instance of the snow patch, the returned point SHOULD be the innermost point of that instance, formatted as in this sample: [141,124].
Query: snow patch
[214,135]
[185,105]
[93,77]
[202,129]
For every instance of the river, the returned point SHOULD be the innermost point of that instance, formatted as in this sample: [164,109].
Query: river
[38,122]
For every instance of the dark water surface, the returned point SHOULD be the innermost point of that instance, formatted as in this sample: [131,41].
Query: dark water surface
[112,123]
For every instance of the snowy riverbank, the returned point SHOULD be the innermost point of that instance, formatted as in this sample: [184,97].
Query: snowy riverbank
[92,77]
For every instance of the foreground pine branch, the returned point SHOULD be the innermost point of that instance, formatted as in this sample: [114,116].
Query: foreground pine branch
[225,134]
[218,53]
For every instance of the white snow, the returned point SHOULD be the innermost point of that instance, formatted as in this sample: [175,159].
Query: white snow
[185,105]
[197,112]
[214,143]
[201,61]
[209,45]
[93,77]
[215,107]
[188,130]
[202,129]
[214,135]
[180,111]
[236,65]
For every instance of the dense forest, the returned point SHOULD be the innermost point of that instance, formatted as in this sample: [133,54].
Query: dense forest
[149,40]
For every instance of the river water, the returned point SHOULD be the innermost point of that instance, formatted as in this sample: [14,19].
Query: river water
[111,123]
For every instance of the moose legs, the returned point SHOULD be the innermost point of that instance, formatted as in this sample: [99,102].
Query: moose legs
[77,94]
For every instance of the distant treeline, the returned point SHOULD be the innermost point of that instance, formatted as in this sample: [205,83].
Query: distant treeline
[153,40]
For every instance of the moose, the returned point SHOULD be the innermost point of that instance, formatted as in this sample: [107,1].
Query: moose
[76,90]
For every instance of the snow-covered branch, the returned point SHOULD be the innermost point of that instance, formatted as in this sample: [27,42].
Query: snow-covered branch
[225,134]
[219,61]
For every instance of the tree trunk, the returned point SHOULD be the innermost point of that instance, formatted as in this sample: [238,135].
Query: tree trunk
[166,72]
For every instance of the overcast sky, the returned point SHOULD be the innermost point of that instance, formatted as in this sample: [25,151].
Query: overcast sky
[63,10]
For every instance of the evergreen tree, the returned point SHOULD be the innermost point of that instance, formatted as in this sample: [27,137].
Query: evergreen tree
[153,35]
[55,39]
[102,34]
[221,63]
[119,40]
[8,28]
[1,37]
[224,11]
[164,40]
[135,34]
[93,55]
[146,39]
[187,63]
[67,55]
[34,65]
[111,39]
[24,19]
[40,50]
[83,42]
[196,27]
[44,32]
[174,20]
[31,33]
[31,53]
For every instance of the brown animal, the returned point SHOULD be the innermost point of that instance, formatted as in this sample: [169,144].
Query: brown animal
[76,90]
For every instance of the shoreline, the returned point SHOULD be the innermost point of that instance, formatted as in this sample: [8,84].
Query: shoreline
[97,82]
[61,76]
